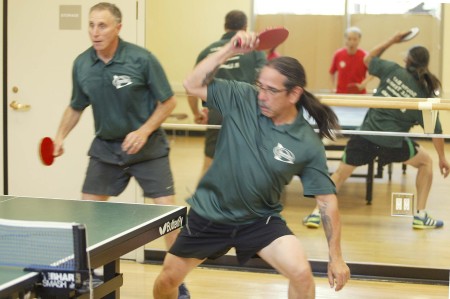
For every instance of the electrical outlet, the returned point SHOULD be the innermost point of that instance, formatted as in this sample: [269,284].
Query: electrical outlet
[402,204]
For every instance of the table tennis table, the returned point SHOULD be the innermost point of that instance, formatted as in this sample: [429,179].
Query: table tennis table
[113,229]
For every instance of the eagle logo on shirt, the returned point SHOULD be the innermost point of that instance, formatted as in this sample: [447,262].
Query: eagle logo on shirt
[283,154]
[121,81]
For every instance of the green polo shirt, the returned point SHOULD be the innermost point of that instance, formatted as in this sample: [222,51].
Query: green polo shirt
[255,159]
[242,67]
[395,81]
[123,93]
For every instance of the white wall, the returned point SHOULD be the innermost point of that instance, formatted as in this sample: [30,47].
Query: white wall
[177,30]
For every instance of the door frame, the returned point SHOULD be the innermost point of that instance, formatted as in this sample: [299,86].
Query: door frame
[4,107]
[4,177]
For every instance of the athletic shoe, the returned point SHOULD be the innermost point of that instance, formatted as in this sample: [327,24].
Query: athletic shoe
[183,292]
[426,222]
[312,221]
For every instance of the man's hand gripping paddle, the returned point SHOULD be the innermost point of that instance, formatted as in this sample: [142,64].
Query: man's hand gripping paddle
[269,38]
[46,151]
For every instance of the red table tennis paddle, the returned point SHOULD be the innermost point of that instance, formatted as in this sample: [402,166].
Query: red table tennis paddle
[46,151]
[270,38]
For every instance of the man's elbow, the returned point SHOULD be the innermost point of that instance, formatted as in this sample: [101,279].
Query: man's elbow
[171,103]
[188,86]
[194,90]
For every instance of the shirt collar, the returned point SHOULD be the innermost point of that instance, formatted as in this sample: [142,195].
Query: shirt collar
[291,129]
[119,56]
[229,35]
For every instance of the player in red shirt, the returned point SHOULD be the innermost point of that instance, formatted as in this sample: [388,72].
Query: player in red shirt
[348,71]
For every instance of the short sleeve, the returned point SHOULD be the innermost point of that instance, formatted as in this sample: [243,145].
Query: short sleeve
[228,95]
[79,100]
[379,67]
[315,177]
[333,67]
[157,80]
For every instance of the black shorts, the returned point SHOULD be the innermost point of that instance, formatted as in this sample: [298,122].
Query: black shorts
[360,151]
[211,135]
[201,238]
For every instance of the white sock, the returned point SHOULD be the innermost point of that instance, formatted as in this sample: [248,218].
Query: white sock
[421,213]
[315,212]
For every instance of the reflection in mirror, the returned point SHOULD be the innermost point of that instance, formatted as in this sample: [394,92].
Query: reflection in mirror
[317,30]
[370,234]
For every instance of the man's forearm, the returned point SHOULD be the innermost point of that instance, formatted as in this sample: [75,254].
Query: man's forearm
[162,111]
[203,73]
[378,50]
[68,122]
[439,146]
[331,225]
[193,104]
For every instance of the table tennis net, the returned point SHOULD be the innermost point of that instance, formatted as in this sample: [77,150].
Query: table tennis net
[39,245]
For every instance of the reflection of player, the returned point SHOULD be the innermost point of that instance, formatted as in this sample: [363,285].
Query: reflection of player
[240,67]
[348,71]
[413,80]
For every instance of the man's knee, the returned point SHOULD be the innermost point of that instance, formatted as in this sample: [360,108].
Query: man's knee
[303,274]
[421,159]
[166,282]
[302,280]
[165,286]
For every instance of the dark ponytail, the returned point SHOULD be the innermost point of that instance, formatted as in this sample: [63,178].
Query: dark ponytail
[323,115]
[417,64]
[294,72]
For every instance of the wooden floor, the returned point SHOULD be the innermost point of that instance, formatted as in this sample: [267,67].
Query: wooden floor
[370,235]
[206,283]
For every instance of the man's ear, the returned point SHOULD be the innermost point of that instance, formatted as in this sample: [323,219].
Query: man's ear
[295,94]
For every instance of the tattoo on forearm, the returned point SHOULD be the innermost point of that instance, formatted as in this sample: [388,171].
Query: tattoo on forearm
[327,226]
[210,76]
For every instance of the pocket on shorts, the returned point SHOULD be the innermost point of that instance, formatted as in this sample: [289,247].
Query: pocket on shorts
[196,225]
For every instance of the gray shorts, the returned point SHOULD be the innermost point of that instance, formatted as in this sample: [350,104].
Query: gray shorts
[110,169]
[154,177]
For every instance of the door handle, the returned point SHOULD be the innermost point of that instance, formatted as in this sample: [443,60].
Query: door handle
[19,107]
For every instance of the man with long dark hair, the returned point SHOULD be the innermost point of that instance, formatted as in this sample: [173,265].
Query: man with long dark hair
[264,142]
[416,81]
